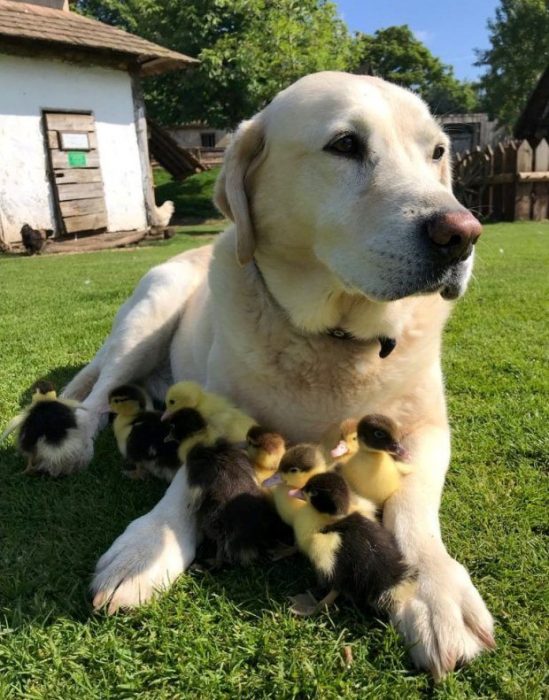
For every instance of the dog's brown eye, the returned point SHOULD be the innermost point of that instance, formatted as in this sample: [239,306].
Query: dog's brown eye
[438,152]
[346,145]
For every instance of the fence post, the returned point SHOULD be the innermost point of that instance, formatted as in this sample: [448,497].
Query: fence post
[509,189]
[523,190]
[497,193]
[487,191]
[540,209]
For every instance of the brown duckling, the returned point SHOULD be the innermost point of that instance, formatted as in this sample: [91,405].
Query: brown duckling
[265,449]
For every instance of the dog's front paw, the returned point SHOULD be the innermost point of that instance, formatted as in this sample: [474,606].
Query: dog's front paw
[445,622]
[148,556]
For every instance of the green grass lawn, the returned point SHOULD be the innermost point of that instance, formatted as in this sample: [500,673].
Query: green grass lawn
[230,635]
[192,197]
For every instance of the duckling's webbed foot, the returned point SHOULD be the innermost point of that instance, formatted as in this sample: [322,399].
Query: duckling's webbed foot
[283,551]
[134,472]
[305,604]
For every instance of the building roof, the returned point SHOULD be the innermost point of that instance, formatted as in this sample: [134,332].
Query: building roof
[26,23]
[533,123]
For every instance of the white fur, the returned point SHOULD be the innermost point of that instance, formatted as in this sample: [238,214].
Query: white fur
[339,243]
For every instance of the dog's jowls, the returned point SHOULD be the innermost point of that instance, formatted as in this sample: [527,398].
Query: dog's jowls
[344,218]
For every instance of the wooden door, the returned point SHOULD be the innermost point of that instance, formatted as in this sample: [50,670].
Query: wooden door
[75,172]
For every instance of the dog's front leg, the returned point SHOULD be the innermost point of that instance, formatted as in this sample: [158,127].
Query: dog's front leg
[150,554]
[445,621]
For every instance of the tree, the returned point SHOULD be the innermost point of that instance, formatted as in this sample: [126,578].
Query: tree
[396,55]
[519,35]
[249,50]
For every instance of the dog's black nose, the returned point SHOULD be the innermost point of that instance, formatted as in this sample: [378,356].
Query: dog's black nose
[453,234]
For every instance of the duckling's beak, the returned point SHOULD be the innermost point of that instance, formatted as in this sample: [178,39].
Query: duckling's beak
[167,414]
[273,480]
[399,452]
[341,449]
[170,437]
[297,493]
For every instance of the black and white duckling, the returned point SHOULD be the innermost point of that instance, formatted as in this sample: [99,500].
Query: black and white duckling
[47,431]
[141,435]
[265,449]
[188,428]
[218,411]
[352,554]
[232,510]
[376,469]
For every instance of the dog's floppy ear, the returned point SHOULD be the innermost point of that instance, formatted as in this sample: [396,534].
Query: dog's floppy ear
[230,195]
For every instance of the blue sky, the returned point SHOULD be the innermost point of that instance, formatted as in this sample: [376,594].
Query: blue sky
[451,29]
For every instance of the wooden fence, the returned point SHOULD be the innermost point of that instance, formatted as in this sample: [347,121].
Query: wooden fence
[507,182]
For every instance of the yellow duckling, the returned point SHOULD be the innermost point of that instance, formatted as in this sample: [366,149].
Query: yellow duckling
[265,450]
[375,471]
[297,466]
[340,443]
[218,411]
[47,431]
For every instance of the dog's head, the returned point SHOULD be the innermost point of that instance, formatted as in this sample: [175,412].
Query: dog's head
[358,171]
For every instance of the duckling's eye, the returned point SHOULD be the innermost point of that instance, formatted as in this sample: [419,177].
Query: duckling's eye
[293,470]
[380,434]
[347,145]
[312,493]
[438,152]
[171,402]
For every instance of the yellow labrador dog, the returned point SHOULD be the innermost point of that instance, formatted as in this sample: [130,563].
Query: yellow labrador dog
[325,299]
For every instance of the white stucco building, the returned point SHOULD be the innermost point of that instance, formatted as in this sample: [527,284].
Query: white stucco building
[73,136]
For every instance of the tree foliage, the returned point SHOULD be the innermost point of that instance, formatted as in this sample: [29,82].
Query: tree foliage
[249,50]
[396,55]
[519,53]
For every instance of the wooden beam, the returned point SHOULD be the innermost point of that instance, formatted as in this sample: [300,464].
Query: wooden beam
[541,176]
[147,182]
[79,207]
[69,122]
[60,160]
[89,222]
[88,190]
[71,175]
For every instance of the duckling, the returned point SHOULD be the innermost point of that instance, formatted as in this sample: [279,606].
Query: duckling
[188,428]
[218,411]
[376,470]
[141,435]
[232,510]
[297,465]
[48,430]
[352,555]
[265,450]
[341,442]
